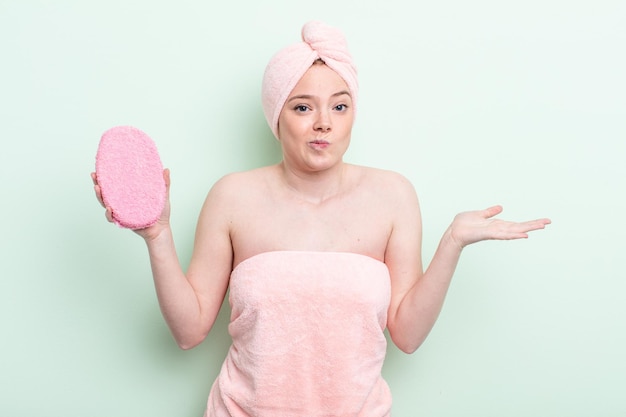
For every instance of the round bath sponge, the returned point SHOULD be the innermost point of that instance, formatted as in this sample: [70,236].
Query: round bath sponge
[130,175]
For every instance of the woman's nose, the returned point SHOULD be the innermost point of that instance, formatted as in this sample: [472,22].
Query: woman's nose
[322,121]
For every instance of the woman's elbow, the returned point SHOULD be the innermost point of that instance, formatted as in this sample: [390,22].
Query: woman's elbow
[404,342]
[187,345]
[407,348]
[189,342]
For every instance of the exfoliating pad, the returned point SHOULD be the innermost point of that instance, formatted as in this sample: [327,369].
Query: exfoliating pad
[130,175]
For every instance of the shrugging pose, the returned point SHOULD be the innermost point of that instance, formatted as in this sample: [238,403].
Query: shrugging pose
[321,256]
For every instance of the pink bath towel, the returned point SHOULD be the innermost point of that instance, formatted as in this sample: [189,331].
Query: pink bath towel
[308,341]
[130,175]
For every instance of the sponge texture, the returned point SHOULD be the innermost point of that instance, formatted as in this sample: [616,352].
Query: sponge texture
[130,175]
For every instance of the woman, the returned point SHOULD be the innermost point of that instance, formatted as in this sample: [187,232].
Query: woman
[320,255]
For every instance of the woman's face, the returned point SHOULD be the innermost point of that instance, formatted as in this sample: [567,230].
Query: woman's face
[315,124]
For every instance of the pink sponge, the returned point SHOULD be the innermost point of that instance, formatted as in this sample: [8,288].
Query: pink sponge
[130,175]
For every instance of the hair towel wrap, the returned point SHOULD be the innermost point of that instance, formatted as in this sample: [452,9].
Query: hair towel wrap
[286,68]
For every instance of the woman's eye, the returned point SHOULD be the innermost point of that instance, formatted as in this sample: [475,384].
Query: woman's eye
[301,108]
[341,107]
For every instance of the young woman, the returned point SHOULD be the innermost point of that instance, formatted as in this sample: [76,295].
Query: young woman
[321,256]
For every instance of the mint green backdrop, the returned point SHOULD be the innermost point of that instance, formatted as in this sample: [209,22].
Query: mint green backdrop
[477,103]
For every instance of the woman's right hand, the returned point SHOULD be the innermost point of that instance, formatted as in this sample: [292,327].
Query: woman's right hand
[148,233]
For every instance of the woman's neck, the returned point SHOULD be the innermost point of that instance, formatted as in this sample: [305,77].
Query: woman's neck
[314,187]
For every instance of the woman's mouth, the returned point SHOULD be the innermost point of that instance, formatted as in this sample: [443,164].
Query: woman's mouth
[319,144]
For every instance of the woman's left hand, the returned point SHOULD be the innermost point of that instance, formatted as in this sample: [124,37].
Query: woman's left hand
[474,226]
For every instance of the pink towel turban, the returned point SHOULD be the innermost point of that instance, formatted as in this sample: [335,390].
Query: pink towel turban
[319,41]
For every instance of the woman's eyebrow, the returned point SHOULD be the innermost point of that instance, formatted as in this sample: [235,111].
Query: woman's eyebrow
[342,92]
[301,97]
[309,96]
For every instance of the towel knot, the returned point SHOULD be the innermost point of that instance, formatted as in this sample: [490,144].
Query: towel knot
[327,41]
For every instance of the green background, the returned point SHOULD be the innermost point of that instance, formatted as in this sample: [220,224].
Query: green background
[477,103]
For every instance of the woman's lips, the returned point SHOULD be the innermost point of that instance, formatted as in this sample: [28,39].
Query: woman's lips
[319,144]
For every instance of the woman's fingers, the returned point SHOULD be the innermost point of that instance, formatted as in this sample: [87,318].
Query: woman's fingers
[108,213]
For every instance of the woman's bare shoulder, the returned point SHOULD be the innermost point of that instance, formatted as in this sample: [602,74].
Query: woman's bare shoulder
[242,183]
[383,180]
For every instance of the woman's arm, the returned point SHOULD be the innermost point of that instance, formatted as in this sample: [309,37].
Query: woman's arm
[417,297]
[189,302]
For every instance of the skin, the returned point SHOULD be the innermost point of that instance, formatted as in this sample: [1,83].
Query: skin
[314,201]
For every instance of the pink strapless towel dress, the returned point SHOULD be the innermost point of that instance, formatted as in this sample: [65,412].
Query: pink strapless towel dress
[308,337]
